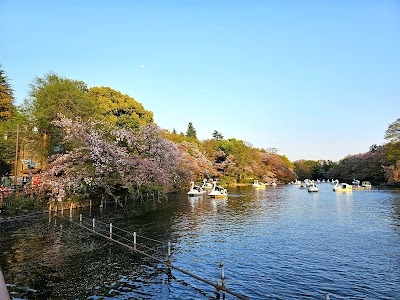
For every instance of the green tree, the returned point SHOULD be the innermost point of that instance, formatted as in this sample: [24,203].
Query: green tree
[217,135]
[6,97]
[51,95]
[393,132]
[191,132]
[119,109]
[373,148]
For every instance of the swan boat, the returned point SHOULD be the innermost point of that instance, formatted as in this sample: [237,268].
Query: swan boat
[297,182]
[259,185]
[342,187]
[273,183]
[218,192]
[366,184]
[207,185]
[312,188]
[195,190]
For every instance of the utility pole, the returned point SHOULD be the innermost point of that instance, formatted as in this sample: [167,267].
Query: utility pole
[16,158]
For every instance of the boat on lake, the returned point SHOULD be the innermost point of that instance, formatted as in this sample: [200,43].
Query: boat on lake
[218,192]
[357,185]
[195,190]
[313,188]
[259,185]
[366,184]
[342,187]
[207,185]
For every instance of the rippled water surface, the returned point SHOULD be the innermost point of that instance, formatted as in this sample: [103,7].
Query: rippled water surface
[277,243]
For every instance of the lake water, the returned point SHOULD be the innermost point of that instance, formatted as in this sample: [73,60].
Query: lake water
[277,243]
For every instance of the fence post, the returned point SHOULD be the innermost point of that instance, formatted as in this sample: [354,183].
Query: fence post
[80,218]
[134,240]
[169,253]
[110,230]
[94,223]
[222,273]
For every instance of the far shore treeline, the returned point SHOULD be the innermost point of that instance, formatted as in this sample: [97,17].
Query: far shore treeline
[88,141]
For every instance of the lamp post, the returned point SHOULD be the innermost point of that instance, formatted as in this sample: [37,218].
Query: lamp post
[16,155]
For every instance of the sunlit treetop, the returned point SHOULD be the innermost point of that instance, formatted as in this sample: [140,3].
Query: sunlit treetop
[119,109]
[6,97]
[393,131]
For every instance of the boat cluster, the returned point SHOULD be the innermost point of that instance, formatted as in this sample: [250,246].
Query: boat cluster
[262,185]
[212,190]
[338,187]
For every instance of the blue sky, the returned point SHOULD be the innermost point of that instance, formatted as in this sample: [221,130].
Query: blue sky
[315,79]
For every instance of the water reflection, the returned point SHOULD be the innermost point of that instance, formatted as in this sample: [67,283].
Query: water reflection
[282,243]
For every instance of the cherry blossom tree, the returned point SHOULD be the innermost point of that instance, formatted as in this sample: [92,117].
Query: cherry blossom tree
[108,160]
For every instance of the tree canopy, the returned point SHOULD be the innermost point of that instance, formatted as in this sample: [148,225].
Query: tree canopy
[140,159]
[53,94]
[6,97]
[191,132]
[119,109]
[217,135]
[393,132]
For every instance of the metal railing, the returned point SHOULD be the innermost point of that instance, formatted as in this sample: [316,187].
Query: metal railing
[129,240]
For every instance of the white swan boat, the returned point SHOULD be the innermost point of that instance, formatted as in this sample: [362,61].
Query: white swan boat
[297,182]
[312,188]
[259,185]
[357,185]
[195,190]
[218,192]
[366,184]
[273,183]
[342,187]
[207,185]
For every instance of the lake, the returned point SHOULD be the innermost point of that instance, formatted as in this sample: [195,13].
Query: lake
[277,243]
